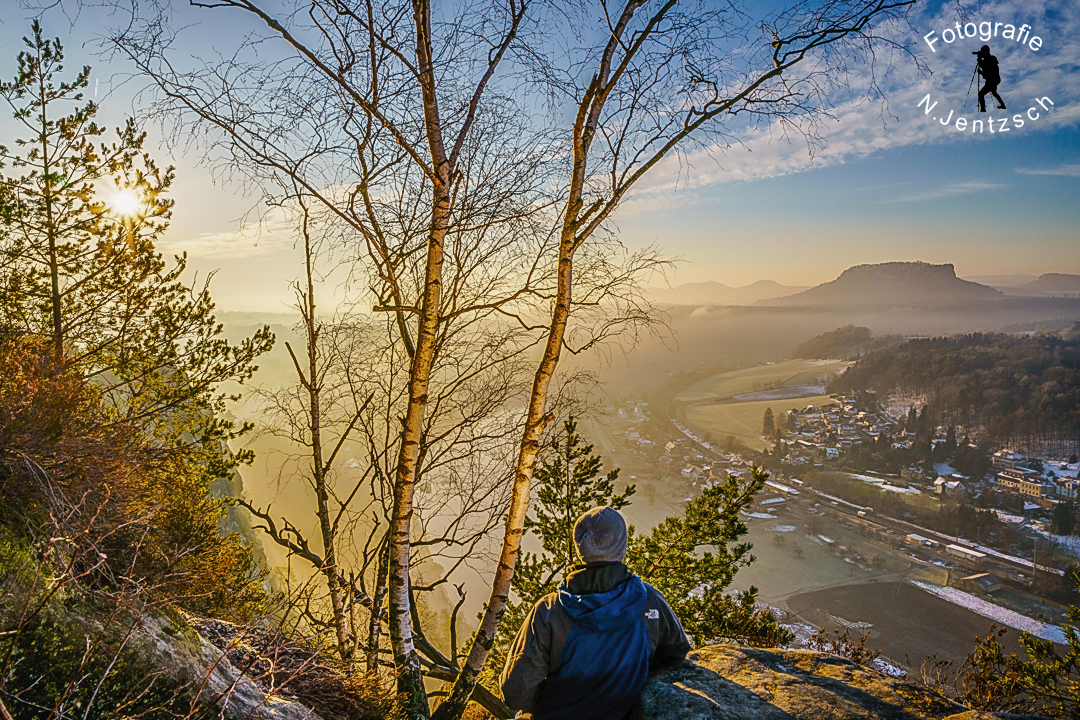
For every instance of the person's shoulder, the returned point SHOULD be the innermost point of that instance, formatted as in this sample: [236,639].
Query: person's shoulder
[548,601]
[653,597]
[547,605]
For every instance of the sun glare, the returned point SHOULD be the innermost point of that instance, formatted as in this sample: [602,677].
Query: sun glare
[125,203]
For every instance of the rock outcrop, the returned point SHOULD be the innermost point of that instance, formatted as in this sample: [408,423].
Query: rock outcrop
[730,682]
[171,645]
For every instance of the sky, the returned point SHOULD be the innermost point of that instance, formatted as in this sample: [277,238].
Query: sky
[889,184]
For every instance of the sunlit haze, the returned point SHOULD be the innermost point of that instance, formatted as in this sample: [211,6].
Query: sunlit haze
[888,184]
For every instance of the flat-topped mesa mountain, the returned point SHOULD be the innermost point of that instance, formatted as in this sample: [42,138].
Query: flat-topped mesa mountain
[1046,285]
[715,293]
[915,284]
[1056,283]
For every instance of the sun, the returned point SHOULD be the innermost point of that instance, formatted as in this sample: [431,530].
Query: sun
[125,203]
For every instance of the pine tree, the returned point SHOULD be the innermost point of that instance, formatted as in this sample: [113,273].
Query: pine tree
[950,446]
[691,558]
[78,223]
[768,423]
[1063,517]
[72,259]
[569,483]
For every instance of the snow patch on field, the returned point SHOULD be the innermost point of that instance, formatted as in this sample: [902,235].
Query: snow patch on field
[761,516]
[880,483]
[826,540]
[781,487]
[886,667]
[1008,518]
[838,500]
[1000,615]
[1069,543]
[944,469]
[782,528]
[803,632]
[901,490]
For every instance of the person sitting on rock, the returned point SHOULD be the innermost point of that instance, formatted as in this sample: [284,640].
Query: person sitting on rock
[584,652]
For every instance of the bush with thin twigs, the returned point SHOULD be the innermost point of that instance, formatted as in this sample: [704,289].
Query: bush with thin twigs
[844,645]
[100,528]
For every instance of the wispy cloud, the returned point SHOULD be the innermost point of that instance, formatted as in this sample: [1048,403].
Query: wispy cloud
[254,239]
[1072,170]
[950,190]
[882,187]
[862,129]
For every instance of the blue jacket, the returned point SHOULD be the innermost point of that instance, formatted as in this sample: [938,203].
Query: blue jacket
[584,652]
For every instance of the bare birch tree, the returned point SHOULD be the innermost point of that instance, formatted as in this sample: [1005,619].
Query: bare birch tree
[664,77]
[415,189]
[436,140]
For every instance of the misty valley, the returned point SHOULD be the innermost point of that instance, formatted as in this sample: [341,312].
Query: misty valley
[852,532]
[504,360]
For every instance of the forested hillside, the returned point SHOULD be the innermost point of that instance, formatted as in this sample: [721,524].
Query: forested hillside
[1020,390]
[842,343]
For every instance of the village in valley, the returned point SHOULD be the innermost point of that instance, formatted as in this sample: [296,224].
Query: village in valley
[984,528]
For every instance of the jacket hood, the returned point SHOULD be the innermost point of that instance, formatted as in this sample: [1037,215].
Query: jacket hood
[596,577]
[618,607]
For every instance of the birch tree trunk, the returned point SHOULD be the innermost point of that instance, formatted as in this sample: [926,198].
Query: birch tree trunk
[312,383]
[536,421]
[409,678]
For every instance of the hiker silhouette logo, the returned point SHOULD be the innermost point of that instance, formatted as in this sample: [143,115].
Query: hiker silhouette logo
[947,48]
[986,66]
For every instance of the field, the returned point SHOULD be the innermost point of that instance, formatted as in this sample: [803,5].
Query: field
[790,372]
[903,621]
[742,419]
[866,493]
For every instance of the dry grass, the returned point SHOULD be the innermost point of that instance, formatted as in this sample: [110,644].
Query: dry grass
[300,670]
[743,420]
[790,372]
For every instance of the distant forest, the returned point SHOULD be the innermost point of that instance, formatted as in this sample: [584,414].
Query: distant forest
[1020,391]
[842,343]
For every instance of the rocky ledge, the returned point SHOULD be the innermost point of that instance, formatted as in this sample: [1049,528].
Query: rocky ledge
[730,682]
[720,682]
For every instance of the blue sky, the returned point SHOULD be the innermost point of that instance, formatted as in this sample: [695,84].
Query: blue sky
[889,185]
[964,203]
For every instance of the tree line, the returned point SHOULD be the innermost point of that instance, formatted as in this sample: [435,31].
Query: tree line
[1005,389]
[842,344]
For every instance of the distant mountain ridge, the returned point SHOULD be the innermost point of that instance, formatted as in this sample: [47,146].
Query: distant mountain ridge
[1002,281]
[1056,283]
[1046,285]
[715,293]
[911,284]
[903,284]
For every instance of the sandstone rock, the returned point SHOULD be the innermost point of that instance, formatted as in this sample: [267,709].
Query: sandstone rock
[170,643]
[729,682]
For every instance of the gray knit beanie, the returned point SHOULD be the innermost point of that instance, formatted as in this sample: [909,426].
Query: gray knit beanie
[600,535]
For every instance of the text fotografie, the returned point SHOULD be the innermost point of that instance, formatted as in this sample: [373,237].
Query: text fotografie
[985,31]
